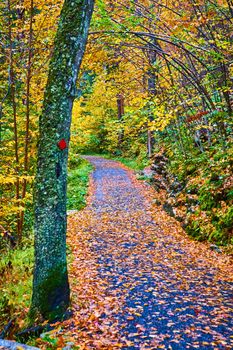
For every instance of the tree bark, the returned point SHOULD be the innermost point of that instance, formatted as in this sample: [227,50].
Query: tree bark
[120,113]
[50,284]
[151,92]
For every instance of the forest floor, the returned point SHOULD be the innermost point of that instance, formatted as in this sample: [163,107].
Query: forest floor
[137,280]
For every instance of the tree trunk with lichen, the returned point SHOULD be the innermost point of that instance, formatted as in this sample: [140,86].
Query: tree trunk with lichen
[50,284]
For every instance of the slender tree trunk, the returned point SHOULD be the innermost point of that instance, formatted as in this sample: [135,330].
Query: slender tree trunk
[121,111]
[50,285]
[14,107]
[27,124]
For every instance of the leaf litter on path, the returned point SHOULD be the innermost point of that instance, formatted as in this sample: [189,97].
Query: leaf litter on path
[137,280]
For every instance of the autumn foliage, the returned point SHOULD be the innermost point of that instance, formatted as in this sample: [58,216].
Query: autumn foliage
[27,31]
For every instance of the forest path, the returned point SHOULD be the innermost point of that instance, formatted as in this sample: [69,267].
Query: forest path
[137,280]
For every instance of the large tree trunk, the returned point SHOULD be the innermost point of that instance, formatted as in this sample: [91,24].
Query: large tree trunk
[50,286]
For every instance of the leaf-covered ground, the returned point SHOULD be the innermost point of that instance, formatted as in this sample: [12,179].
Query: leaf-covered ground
[137,280]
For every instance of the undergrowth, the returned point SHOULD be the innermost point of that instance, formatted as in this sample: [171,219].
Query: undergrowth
[207,195]
[78,176]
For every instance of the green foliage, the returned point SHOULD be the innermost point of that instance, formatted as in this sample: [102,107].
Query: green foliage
[52,343]
[208,176]
[74,161]
[79,170]
[136,163]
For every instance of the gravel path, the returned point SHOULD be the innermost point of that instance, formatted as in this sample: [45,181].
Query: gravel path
[173,293]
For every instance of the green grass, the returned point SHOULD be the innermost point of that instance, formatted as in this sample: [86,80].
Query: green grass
[78,177]
[16,284]
[132,163]
[135,164]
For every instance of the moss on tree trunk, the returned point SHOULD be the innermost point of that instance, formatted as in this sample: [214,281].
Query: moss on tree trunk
[50,286]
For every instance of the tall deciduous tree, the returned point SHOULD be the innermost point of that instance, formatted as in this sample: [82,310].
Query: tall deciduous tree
[50,286]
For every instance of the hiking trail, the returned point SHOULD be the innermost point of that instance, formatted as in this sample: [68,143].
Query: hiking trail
[137,280]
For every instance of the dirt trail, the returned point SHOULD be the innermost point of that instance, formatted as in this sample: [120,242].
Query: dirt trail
[138,281]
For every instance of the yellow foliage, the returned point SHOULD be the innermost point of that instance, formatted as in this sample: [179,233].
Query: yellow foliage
[16,177]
